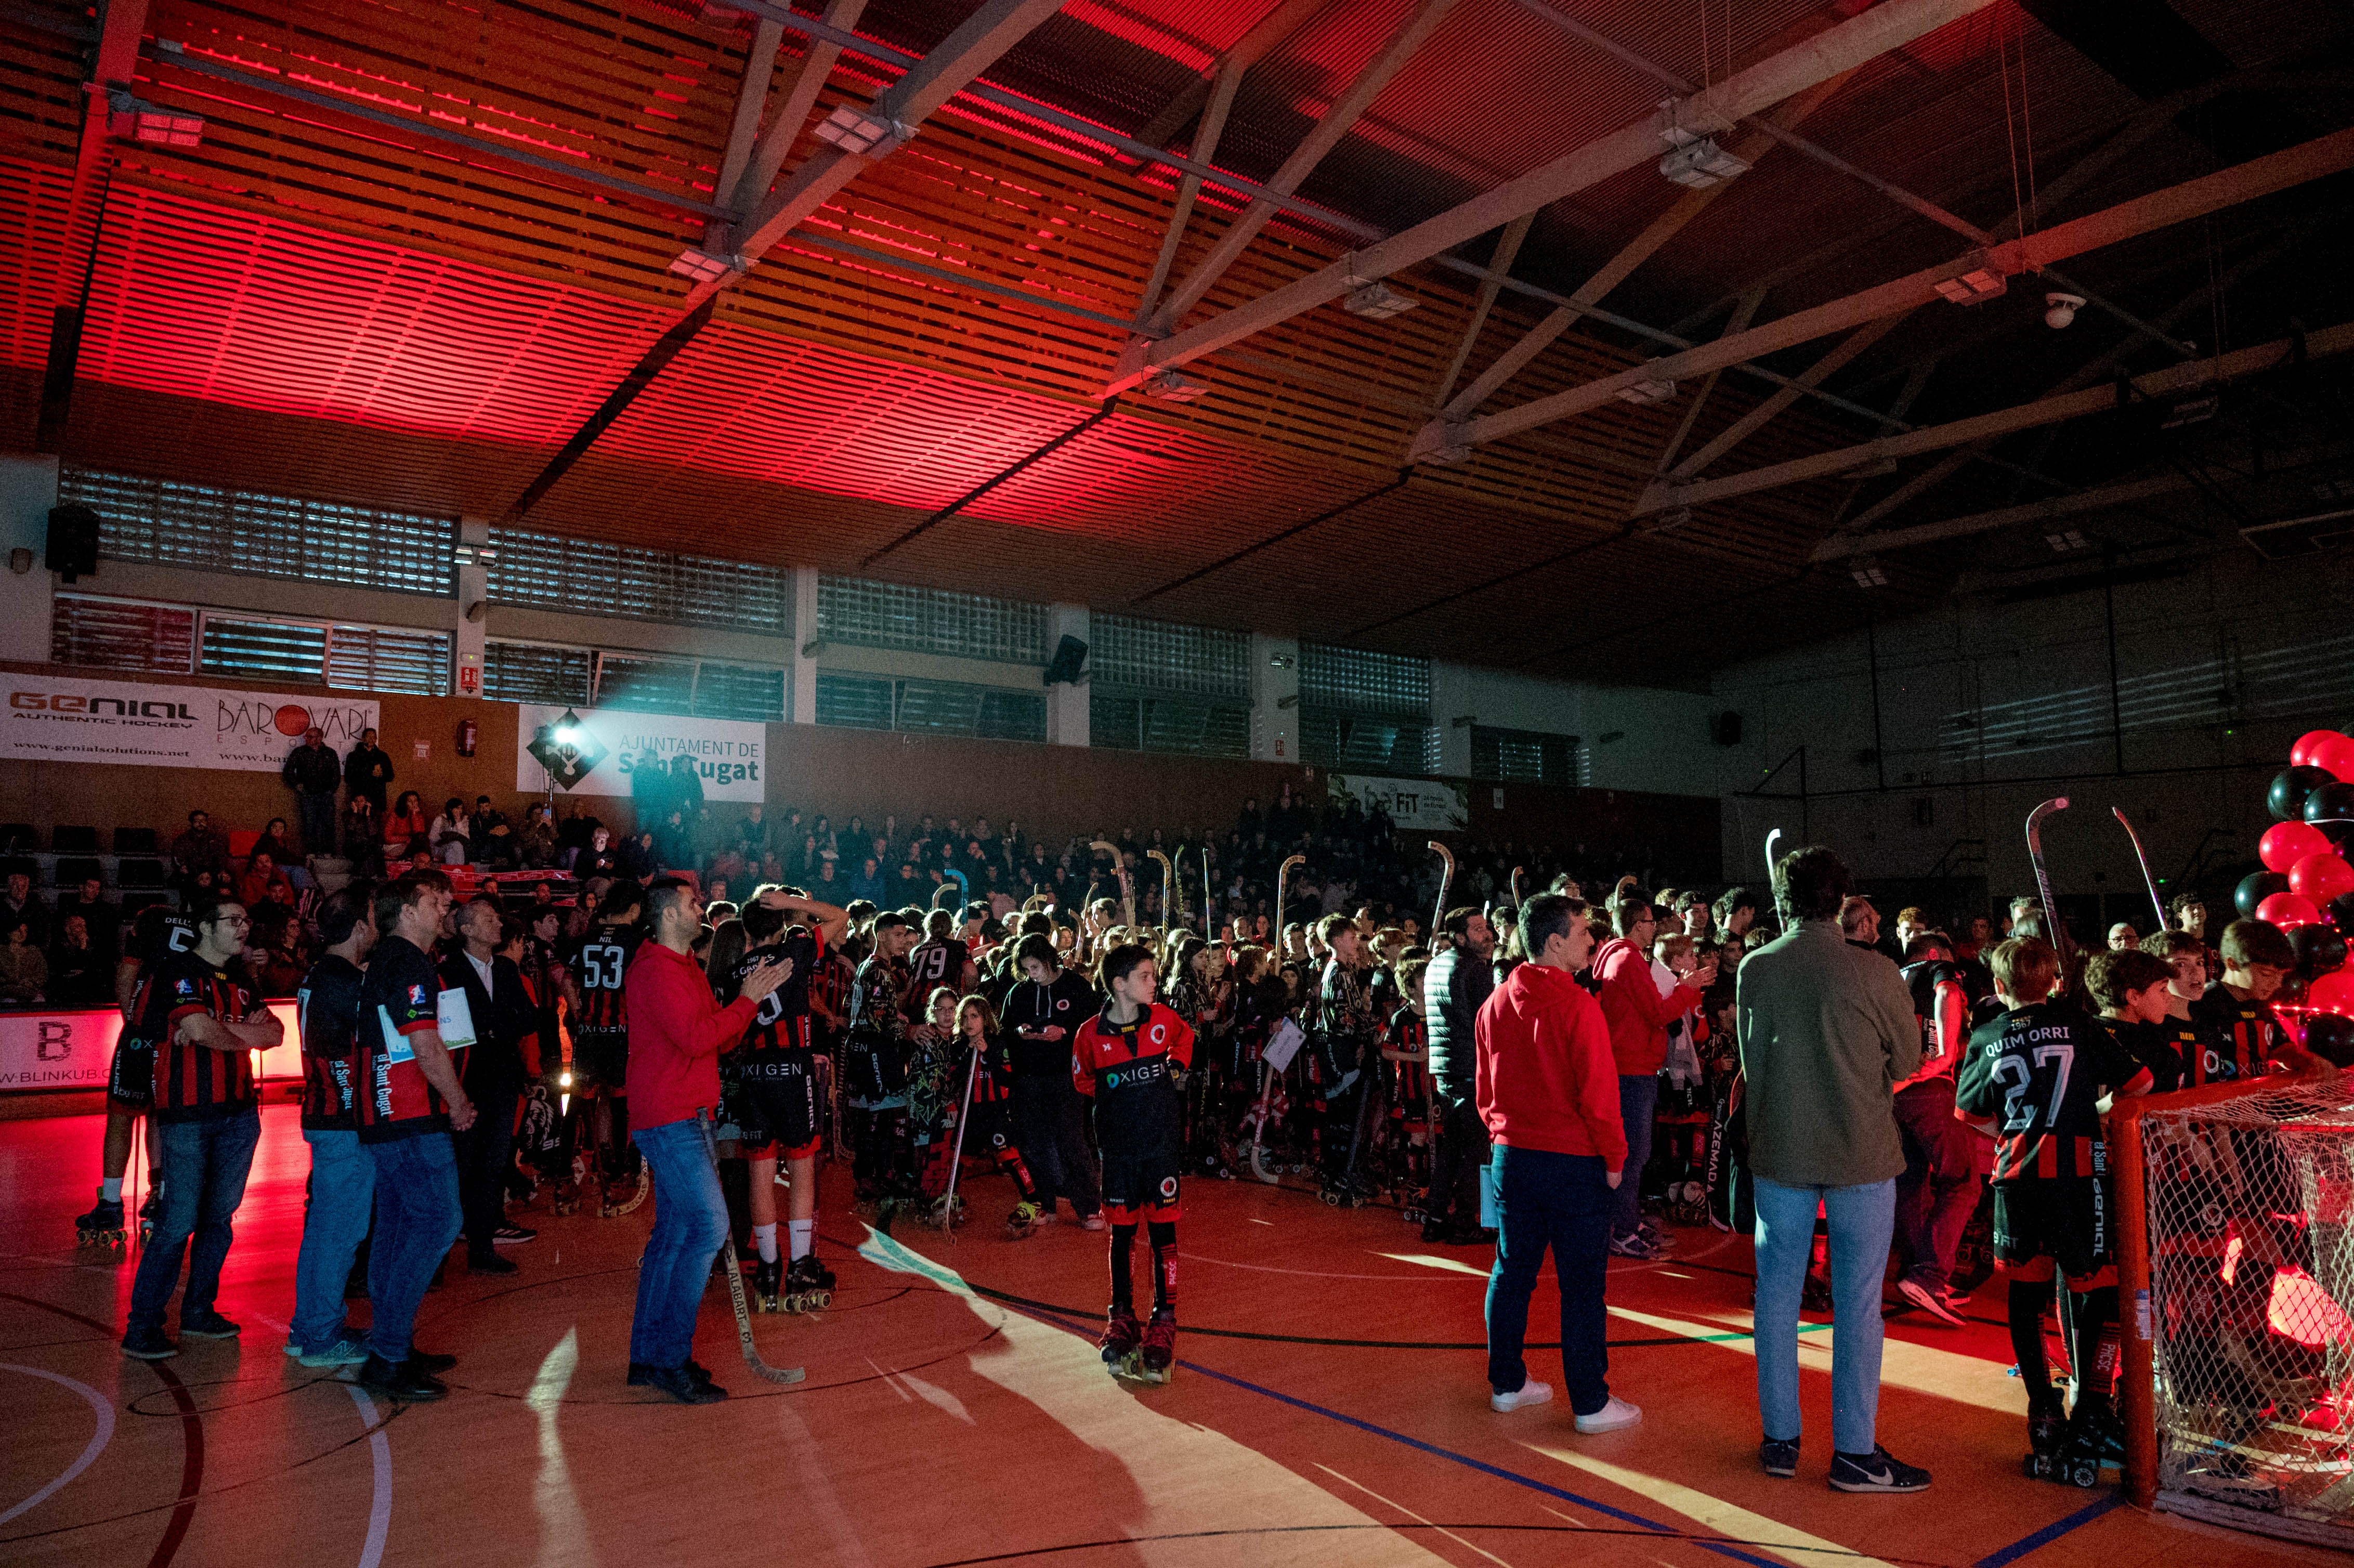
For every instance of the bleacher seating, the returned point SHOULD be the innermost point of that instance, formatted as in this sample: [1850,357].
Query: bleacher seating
[73,840]
[135,840]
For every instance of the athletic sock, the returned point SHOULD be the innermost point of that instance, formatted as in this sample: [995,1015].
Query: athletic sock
[2027,1299]
[797,1235]
[1164,1264]
[111,1188]
[2094,1337]
[1011,1162]
[1123,1288]
[765,1238]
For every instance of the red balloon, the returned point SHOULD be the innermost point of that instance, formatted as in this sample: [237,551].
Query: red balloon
[2321,877]
[2301,754]
[2288,910]
[2286,844]
[2333,993]
[2335,755]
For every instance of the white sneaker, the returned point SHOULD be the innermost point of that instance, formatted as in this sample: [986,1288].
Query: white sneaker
[1612,1416]
[1094,1222]
[1531,1391]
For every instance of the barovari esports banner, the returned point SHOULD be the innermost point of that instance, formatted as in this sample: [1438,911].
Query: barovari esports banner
[597,751]
[54,718]
[1421,805]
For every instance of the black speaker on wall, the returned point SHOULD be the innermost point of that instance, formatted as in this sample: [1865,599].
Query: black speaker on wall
[1725,729]
[1070,657]
[73,541]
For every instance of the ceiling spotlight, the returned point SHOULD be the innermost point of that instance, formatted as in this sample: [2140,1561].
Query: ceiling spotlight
[144,121]
[1697,163]
[1377,302]
[1650,389]
[1867,572]
[703,267]
[1173,387]
[861,131]
[2062,309]
[1976,281]
[2067,539]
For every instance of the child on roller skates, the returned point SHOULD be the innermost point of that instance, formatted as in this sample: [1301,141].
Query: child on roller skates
[989,1124]
[600,1010]
[876,1066]
[769,1095]
[2039,1079]
[1129,1059]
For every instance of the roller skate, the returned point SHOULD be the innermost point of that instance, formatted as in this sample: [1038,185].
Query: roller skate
[2095,1439]
[1023,1223]
[1121,1338]
[1157,1362]
[768,1285]
[102,1226]
[809,1286]
[944,1212]
[151,1211]
[2047,1436]
[1341,1193]
[565,1199]
[624,1194]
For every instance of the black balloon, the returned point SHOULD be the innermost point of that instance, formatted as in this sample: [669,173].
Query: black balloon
[2293,988]
[2319,949]
[2331,807]
[2254,888]
[2331,1036]
[2285,799]
[2341,911]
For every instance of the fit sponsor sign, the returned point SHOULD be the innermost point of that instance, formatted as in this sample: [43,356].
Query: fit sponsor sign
[599,751]
[1421,805]
[52,718]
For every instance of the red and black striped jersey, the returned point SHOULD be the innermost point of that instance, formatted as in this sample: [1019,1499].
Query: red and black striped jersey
[2241,1038]
[327,1012]
[773,1027]
[930,965]
[195,1082]
[2040,1073]
[166,932]
[599,968]
[399,997]
[1130,1070]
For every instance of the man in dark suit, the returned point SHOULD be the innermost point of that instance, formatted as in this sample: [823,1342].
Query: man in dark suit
[503,1015]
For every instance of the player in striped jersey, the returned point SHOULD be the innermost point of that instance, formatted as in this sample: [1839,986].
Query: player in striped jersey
[159,932]
[343,1178]
[2237,1010]
[599,1012]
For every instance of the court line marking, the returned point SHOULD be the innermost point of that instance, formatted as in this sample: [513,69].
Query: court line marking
[1415,1517]
[380,1451]
[98,1442]
[2051,1532]
[1763,1531]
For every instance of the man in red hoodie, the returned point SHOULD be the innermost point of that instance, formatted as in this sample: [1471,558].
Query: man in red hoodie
[676,1033]
[1639,1017]
[1546,1088]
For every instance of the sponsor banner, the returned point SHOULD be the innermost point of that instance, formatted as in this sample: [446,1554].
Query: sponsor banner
[599,751]
[72,1050]
[54,718]
[1420,805]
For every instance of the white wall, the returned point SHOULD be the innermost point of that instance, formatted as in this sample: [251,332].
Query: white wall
[1663,743]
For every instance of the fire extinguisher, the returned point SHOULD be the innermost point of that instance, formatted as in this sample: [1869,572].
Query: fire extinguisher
[466,731]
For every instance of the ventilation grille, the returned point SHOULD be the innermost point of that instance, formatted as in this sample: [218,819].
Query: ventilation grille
[535,673]
[1160,656]
[542,571]
[161,521]
[1347,740]
[91,632]
[1178,726]
[1530,757]
[932,707]
[1350,680]
[870,614]
[116,634]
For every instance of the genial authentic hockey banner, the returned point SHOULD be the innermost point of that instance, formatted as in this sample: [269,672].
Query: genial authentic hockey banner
[55,718]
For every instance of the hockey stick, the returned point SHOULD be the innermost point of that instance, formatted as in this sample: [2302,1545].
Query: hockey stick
[1119,869]
[944,1215]
[2146,880]
[1769,861]
[1520,898]
[1445,879]
[1209,922]
[735,1278]
[1168,890]
[1282,879]
[2058,929]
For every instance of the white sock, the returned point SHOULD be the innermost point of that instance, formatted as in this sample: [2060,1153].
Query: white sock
[800,1231]
[765,1238]
[111,1188]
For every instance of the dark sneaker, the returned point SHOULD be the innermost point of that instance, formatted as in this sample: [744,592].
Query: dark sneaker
[1779,1456]
[682,1386]
[148,1345]
[1930,1301]
[510,1234]
[1876,1472]
[211,1326]
[406,1384]
[488,1263]
[349,1350]
[431,1363]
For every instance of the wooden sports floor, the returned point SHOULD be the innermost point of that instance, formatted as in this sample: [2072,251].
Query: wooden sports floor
[1329,1408]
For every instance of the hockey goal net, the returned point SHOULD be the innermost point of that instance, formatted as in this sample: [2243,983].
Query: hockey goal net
[2236,1268]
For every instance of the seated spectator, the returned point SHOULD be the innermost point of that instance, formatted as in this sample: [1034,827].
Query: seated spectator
[80,975]
[24,972]
[278,844]
[536,844]
[598,857]
[201,849]
[363,830]
[103,921]
[21,902]
[451,834]
[674,841]
[639,857]
[405,826]
[262,883]
[281,963]
[492,836]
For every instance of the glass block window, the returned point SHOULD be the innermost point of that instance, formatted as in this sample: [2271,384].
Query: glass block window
[739,692]
[1355,742]
[1530,757]
[1160,656]
[378,659]
[1354,681]
[165,523]
[547,572]
[872,614]
[644,686]
[854,702]
[264,651]
[535,673]
[934,707]
[96,634]
[1176,726]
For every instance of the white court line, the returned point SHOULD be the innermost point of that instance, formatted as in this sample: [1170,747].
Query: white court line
[1415,1517]
[380,1505]
[1318,1273]
[1713,1513]
[98,1439]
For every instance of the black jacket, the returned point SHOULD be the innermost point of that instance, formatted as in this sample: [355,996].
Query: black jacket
[1453,987]
[310,771]
[1069,1002]
[495,1065]
[366,770]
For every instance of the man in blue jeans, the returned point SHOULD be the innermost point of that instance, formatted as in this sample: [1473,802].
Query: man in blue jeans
[411,1098]
[1547,1088]
[204,1022]
[1826,1031]
[676,1033]
[343,1180]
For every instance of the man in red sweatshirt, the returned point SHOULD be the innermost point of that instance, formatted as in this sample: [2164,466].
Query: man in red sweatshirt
[676,1033]
[1546,1088]
[1639,1017]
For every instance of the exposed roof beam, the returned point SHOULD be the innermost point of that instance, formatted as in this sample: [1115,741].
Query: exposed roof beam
[2003,421]
[751,96]
[1743,314]
[1741,428]
[1826,54]
[1267,34]
[742,191]
[1839,547]
[1321,138]
[2192,198]
[1204,148]
[1507,251]
[115,62]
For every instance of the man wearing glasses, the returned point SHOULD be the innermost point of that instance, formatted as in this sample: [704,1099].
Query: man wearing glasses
[205,1023]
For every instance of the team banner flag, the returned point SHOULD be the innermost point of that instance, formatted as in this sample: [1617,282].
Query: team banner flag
[54,718]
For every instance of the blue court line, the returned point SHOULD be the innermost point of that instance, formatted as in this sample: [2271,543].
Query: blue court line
[2050,1532]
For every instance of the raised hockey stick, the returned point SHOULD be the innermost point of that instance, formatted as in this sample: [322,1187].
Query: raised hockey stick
[736,1279]
[1446,880]
[2146,880]
[1520,898]
[2058,928]
[1168,890]
[1127,886]
[944,1211]
[1282,880]
[1769,861]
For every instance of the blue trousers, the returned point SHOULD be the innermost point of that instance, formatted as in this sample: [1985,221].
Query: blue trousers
[343,1191]
[416,1218]
[1639,1107]
[690,1224]
[1561,1201]
[205,1167]
[1862,1218]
